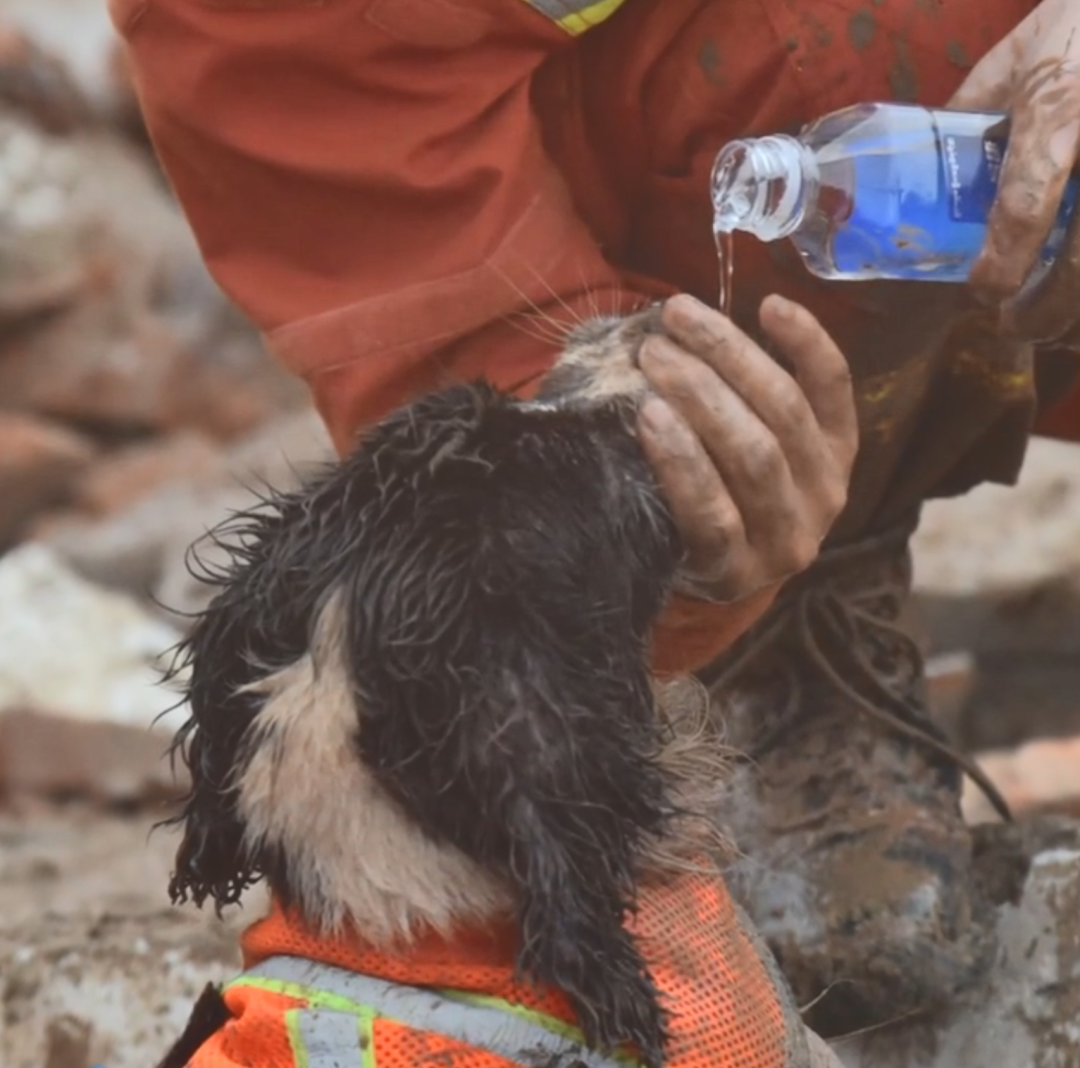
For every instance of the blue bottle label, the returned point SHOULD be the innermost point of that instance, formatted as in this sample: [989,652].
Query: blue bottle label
[918,186]
[972,171]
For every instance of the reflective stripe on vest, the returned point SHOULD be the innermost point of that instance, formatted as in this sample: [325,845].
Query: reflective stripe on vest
[323,1038]
[334,1028]
[576,16]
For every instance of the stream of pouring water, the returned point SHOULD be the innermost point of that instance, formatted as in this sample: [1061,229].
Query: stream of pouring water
[726,261]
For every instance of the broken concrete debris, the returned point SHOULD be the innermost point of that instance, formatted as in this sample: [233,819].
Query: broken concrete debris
[1028,1014]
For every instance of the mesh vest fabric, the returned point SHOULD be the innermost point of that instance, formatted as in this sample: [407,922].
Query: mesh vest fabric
[728,1006]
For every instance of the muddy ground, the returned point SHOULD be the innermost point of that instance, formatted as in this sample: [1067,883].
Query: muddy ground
[95,966]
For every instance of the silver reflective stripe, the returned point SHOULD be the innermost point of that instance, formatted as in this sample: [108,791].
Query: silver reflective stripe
[503,1033]
[559,9]
[330,1039]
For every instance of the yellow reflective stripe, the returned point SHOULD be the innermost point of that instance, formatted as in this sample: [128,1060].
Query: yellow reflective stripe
[534,1016]
[319,999]
[316,999]
[549,1023]
[591,16]
[367,1038]
[576,16]
[296,1043]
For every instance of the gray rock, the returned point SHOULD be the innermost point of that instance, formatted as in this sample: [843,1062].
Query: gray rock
[144,549]
[72,648]
[1028,1015]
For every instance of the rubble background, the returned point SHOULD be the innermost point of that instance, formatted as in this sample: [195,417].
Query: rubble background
[137,408]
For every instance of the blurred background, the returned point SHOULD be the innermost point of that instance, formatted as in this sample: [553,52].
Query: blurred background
[137,408]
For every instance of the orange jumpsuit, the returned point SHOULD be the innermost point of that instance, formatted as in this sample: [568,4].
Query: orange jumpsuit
[405,192]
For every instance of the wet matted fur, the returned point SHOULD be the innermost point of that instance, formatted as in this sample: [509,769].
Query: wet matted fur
[421,695]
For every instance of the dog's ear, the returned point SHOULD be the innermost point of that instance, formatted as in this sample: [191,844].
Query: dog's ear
[498,626]
[281,559]
[577,825]
[552,778]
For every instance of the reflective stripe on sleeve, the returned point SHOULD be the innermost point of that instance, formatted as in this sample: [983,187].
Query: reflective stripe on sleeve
[576,16]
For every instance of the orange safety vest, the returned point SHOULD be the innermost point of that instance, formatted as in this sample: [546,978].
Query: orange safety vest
[336,1002]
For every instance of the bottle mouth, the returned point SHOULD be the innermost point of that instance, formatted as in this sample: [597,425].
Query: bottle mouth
[759,185]
[730,188]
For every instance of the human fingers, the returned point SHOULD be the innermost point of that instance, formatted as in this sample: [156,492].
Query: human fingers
[754,376]
[706,517]
[750,460]
[821,373]
[1044,138]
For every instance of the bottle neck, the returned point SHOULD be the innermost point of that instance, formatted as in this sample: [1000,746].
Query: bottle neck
[763,186]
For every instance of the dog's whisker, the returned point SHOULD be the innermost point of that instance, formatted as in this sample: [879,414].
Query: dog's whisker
[540,327]
[538,313]
[575,316]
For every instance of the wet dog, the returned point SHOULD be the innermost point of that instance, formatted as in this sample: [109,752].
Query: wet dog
[421,697]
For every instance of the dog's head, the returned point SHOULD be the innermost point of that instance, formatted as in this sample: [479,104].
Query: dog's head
[421,696]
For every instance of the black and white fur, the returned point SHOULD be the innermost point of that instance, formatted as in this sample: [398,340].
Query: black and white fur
[421,698]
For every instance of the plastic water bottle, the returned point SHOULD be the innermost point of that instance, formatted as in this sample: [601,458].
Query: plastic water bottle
[874,191]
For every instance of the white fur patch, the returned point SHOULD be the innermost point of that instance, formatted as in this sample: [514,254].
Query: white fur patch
[353,855]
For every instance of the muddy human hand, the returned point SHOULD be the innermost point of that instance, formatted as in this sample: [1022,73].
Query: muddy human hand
[754,461]
[1034,76]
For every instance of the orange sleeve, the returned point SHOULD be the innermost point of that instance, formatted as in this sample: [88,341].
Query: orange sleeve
[691,633]
[366,179]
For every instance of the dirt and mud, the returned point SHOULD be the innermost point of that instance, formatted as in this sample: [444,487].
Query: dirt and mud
[95,966]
